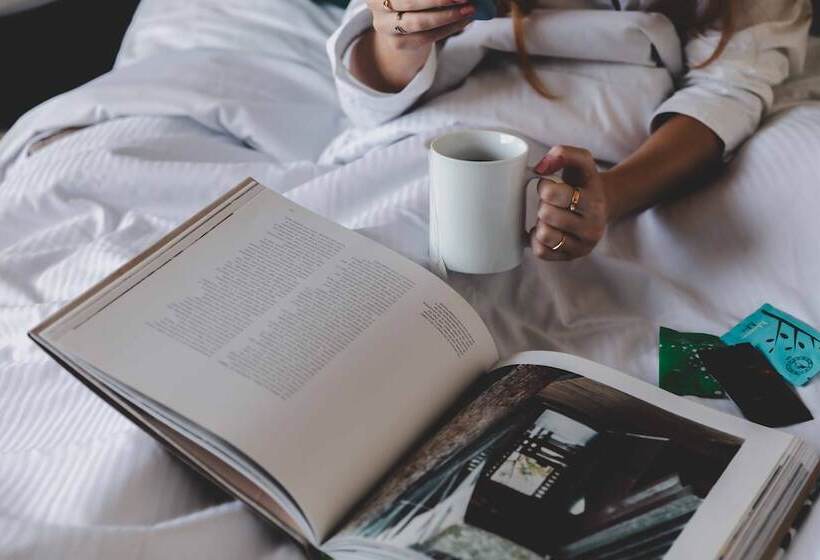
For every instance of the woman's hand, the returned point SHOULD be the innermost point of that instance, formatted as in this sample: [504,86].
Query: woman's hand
[404,31]
[424,22]
[573,214]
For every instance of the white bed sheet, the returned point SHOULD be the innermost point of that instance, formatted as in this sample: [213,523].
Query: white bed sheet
[77,480]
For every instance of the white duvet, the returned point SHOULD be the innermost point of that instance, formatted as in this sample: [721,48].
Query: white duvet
[207,94]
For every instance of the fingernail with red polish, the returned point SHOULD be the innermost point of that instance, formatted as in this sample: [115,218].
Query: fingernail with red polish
[544,165]
[549,164]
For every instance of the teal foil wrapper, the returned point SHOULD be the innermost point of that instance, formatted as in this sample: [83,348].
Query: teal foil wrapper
[792,346]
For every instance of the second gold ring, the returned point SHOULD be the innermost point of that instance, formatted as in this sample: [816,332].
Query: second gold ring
[560,243]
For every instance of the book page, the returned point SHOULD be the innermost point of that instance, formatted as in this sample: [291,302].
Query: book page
[318,353]
[554,456]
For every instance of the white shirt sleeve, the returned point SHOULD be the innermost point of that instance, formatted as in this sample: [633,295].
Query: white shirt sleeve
[732,94]
[364,105]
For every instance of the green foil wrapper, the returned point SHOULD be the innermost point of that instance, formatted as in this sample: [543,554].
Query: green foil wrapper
[680,369]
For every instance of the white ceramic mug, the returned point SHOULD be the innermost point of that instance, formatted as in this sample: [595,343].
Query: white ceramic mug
[478,181]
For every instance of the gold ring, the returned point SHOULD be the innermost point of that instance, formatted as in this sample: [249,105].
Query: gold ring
[400,30]
[576,199]
[387,5]
[560,243]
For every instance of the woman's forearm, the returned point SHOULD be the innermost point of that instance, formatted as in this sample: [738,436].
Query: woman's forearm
[381,66]
[681,151]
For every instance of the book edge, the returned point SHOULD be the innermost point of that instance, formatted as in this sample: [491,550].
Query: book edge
[145,425]
[155,247]
[792,515]
[37,332]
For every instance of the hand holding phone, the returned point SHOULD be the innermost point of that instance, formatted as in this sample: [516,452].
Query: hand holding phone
[389,55]
[411,24]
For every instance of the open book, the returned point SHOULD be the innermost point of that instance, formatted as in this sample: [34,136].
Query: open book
[353,399]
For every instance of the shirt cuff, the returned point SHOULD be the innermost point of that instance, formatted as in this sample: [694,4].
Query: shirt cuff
[364,104]
[732,120]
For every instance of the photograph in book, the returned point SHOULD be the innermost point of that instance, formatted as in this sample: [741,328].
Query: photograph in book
[545,463]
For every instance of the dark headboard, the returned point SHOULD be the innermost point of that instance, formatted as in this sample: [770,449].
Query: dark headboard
[815,26]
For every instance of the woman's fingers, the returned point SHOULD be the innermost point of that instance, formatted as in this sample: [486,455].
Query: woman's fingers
[551,244]
[569,158]
[587,230]
[412,5]
[407,25]
[561,218]
[416,40]
[579,172]
[583,191]
[561,195]
[418,22]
